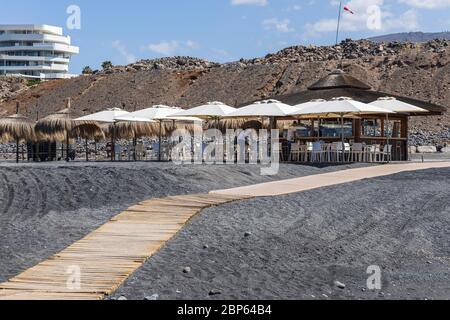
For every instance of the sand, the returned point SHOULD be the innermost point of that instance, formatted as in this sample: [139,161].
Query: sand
[46,207]
[298,246]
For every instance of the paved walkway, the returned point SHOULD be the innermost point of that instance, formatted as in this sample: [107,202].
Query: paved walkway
[105,258]
[284,187]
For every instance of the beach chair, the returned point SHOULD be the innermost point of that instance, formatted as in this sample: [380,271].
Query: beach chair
[386,153]
[295,152]
[373,153]
[357,152]
[317,152]
[326,147]
[335,151]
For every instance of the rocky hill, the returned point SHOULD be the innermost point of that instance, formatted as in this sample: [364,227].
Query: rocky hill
[418,70]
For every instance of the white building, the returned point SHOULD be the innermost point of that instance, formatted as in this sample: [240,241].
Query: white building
[35,51]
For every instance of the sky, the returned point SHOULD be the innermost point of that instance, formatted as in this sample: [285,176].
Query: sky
[217,30]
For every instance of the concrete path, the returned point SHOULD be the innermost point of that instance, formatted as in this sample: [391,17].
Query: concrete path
[327,179]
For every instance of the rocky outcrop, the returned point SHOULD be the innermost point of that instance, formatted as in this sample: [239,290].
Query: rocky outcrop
[11,87]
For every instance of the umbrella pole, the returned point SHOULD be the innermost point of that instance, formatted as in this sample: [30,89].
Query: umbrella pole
[67,146]
[388,140]
[87,151]
[17,150]
[343,137]
[113,147]
[134,147]
[318,129]
[160,140]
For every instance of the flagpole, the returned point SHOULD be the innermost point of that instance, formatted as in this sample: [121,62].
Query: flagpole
[339,23]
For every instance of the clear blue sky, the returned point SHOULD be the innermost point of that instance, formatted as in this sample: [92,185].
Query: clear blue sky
[219,30]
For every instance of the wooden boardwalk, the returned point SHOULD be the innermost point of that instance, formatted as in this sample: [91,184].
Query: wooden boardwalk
[108,255]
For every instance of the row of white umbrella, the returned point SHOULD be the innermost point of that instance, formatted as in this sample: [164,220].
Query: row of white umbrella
[340,107]
[336,107]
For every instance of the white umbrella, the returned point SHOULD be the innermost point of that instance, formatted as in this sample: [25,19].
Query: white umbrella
[157,112]
[343,106]
[306,105]
[395,105]
[107,116]
[266,108]
[132,118]
[211,110]
[398,106]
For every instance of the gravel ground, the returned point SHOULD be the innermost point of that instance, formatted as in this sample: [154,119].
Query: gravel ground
[46,207]
[298,246]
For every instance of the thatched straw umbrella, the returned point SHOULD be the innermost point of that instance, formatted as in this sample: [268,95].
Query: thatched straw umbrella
[88,131]
[57,127]
[130,127]
[17,127]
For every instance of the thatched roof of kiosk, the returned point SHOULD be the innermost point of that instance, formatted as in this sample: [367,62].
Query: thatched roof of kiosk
[340,84]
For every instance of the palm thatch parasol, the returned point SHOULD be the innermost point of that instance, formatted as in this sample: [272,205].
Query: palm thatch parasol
[88,131]
[58,126]
[17,127]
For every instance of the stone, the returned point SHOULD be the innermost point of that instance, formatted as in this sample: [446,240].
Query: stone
[215,292]
[247,234]
[446,150]
[122,298]
[340,285]
[152,297]
[187,270]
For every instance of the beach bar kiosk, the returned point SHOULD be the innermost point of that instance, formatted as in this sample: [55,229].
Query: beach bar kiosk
[371,129]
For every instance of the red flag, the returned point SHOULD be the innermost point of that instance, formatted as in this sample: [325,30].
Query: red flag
[346,8]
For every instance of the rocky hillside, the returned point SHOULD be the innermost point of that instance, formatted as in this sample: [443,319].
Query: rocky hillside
[419,70]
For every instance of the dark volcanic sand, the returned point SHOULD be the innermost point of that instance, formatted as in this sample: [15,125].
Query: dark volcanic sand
[301,244]
[46,207]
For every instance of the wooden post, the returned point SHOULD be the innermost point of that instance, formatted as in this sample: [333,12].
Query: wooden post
[67,147]
[160,140]
[113,143]
[17,150]
[87,151]
[405,134]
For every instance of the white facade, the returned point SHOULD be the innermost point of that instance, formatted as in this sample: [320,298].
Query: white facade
[35,51]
